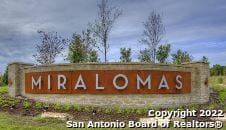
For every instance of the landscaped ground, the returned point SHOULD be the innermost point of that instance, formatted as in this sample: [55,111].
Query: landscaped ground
[18,122]
[24,114]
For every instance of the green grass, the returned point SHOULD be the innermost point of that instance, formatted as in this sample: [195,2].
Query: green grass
[3,89]
[16,122]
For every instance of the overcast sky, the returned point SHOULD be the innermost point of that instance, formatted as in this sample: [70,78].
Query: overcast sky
[195,26]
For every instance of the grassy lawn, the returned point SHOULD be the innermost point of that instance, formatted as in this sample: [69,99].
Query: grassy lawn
[11,122]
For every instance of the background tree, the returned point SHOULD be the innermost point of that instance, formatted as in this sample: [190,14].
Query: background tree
[224,71]
[81,48]
[125,55]
[205,59]
[93,56]
[153,33]
[76,52]
[5,77]
[163,53]
[103,25]
[180,57]
[90,42]
[51,46]
[1,80]
[145,56]
[217,70]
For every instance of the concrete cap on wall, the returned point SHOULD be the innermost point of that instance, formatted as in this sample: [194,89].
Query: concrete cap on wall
[107,63]
[20,63]
[195,62]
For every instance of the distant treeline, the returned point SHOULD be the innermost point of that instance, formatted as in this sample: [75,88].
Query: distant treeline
[218,70]
[4,78]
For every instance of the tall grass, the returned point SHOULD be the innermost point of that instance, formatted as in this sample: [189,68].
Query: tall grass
[218,83]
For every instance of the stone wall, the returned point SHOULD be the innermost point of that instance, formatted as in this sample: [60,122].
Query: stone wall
[199,86]
[14,77]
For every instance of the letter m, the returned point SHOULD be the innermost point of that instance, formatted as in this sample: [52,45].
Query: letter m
[36,83]
[140,81]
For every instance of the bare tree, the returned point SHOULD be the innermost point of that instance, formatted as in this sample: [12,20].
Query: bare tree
[51,46]
[88,40]
[153,33]
[103,25]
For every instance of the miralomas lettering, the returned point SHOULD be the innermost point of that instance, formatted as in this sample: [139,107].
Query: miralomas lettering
[62,80]
[108,82]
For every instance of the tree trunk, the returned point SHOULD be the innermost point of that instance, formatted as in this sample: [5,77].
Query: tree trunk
[105,54]
[105,50]
[154,55]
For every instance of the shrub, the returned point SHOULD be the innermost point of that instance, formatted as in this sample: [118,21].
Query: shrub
[193,107]
[38,105]
[57,107]
[67,107]
[181,108]
[118,110]
[3,89]
[77,107]
[145,110]
[128,110]
[211,106]
[88,108]
[26,104]
[108,110]
[222,96]
[46,105]
[139,111]
[8,101]
[170,109]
